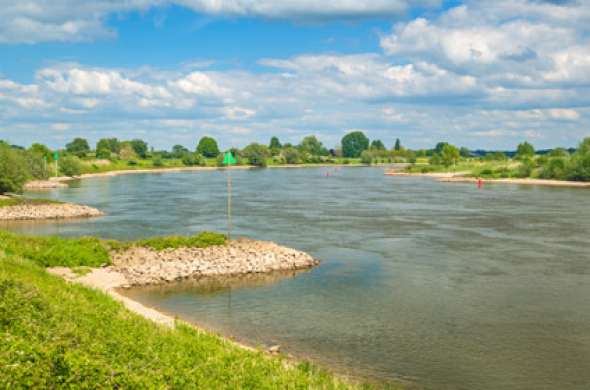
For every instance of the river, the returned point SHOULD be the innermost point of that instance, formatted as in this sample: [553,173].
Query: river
[446,286]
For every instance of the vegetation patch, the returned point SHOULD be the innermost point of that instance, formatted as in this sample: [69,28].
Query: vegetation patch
[57,335]
[16,201]
[55,251]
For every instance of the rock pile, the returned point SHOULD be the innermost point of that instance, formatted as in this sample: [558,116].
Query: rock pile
[143,266]
[47,211]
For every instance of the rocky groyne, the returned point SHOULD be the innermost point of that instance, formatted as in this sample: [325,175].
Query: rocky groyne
[43,211]
[145,266]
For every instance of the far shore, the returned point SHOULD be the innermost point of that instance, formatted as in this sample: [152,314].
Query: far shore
[60,181]
[460,177]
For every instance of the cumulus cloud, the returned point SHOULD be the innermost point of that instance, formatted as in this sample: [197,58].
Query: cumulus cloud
[33,21]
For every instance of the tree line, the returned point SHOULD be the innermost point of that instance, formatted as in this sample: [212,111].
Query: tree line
[18,164]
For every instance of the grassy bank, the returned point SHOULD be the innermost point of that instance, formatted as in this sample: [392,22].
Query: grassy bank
[57,334]
[16,201]
[90,251]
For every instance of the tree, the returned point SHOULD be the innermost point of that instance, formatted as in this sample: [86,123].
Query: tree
[580,162]
[525,150]
[37,164]
[107,147]
[78,147]
[291,155]
[464,152]
[398,144]
[275,143]
[127,152]
[41,150]
[439,147]
[190,159]
[14,172]
[312,145]
[178,151]
[256,154]
[208,147]
[354,143]
[449,155]
[70,166]
[377,145]
[140,147]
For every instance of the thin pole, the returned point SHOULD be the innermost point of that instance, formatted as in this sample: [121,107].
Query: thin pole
[56,168]
[229,202]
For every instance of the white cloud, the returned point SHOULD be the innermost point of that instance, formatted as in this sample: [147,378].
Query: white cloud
[32,21]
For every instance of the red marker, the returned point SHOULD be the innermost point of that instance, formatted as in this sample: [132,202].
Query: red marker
[479,183]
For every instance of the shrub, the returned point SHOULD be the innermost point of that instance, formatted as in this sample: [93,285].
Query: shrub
[190,159]
[291,155]
[70,166]
[78,147]
[14,170]
[37,165]
[157,161]
[256,154]
[366,157]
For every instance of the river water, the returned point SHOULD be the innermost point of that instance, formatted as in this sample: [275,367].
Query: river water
[442,285]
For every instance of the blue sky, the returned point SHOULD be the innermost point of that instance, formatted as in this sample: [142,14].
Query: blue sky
[478,74]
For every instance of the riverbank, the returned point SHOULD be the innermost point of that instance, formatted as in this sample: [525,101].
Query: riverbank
[63,334]
[461,177]
[23,209]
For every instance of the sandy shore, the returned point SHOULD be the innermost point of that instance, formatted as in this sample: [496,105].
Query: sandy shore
[536,182]
[429,174]
[140,266]
[44,211]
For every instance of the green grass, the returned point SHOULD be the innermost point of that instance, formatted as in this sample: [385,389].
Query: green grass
[62,335]
[90,251]
[15,201]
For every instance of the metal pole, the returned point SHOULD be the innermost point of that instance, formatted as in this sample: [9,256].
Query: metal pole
[229,202]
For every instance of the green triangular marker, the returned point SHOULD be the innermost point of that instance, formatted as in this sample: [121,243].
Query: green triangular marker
[229,159]
[55,156]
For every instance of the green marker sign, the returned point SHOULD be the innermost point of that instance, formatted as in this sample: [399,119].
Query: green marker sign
[55,156]
[229,159]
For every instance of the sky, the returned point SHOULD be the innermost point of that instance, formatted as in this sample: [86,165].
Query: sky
[480,74]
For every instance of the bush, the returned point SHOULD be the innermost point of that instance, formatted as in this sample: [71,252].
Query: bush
[291,155]
[191,159]
[157,161]
[70,166]
[554,168]
[366,157]
[354,143]
[256,154]
[37,165]
[526,168]
[14,170]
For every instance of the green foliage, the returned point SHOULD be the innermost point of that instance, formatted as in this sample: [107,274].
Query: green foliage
[127,153]
[190,159]
[275,146]
[208,147]
[439,147]
[78,147]
[140,147]
[450,155]
[464,152]
[41,150]
[201,240]
[37,165]
[398,144]
[70,166]
[62,335]
[354,143]
[178,151]
[366,157]
[55,251]
[526,167]
[554,168]
[157,161]
[291,155]
[14,170]
[579,168]
[313,146]
[496,156]
[377,145]
[107,147]
[525,150]
[256,154]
